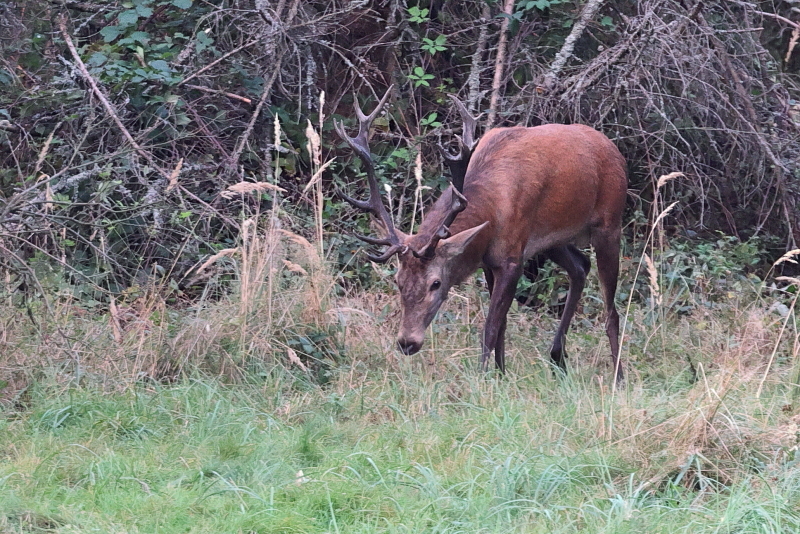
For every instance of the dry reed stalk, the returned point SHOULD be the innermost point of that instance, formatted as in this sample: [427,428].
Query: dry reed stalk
[242,188]
[320,197]
[663,180]
[272,220]
[224,253]
[45,149]
[648,262]
[789,314]
[788,257]
[653,281]
[173,177]
[314,147]
[116,328]
[792,44]
[294,359]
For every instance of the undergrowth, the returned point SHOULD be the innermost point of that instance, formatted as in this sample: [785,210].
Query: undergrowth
[279,405]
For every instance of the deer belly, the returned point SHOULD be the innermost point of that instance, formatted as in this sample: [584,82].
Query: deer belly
[539,242]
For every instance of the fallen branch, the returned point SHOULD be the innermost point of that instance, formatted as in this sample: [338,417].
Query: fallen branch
[589,11]
[62,24]
[474,79]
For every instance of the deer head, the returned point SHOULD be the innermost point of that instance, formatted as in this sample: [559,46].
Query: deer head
[433,260]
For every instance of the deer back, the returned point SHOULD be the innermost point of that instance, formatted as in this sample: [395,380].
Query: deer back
[537,188]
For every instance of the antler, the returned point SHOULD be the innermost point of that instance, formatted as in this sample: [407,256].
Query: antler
[458,164]
[458,169]
[374,205]
[458,203]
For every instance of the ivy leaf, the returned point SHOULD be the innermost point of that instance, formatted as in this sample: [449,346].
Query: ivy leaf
[182,4]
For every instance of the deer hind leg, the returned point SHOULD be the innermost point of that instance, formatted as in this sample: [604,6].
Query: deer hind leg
[577,266]
[502,284]
[606,246]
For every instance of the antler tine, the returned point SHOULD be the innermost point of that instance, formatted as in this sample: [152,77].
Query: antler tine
[386,256]
[373,240]
[458,203]
[374,204]
[470,123]
[458,164]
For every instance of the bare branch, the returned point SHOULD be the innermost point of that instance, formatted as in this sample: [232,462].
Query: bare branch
[589,11]
[499,63]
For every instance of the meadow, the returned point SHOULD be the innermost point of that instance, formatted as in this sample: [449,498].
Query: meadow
[280,405]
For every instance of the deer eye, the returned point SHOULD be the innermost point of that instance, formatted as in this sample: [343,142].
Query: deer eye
[436,285]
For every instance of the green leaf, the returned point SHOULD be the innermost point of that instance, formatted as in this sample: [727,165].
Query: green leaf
[418,15]
[182,4]
[110,33]
[141,37]
[128,18]
[419,72]
[144,11]
[97,59]
[160,64]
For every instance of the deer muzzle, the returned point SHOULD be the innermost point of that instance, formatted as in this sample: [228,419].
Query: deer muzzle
[409,345]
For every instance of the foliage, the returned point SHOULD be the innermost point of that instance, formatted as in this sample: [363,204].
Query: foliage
[199,98]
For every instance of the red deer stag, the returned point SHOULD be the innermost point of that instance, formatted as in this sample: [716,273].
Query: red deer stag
[518,193]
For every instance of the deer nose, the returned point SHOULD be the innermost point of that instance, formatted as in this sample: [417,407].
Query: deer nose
[408,346]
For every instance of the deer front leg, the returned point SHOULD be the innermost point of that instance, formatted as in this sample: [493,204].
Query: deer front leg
[502,287]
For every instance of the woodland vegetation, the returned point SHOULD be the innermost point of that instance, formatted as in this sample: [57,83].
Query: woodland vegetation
[192,340]
[124,124]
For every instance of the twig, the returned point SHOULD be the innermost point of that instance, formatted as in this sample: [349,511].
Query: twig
[221,58]
[499,63]
[219,92]
[770,15]
[237,152]
[82,6]
[780,169]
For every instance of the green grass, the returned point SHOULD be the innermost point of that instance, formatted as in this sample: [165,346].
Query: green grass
[283,408]
[401,450]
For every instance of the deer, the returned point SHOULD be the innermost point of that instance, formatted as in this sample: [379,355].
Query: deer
[516,193]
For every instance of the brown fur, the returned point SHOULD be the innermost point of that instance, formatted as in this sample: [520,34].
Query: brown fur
[539,190]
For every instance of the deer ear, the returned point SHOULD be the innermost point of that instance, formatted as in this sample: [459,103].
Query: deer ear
[455,245]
